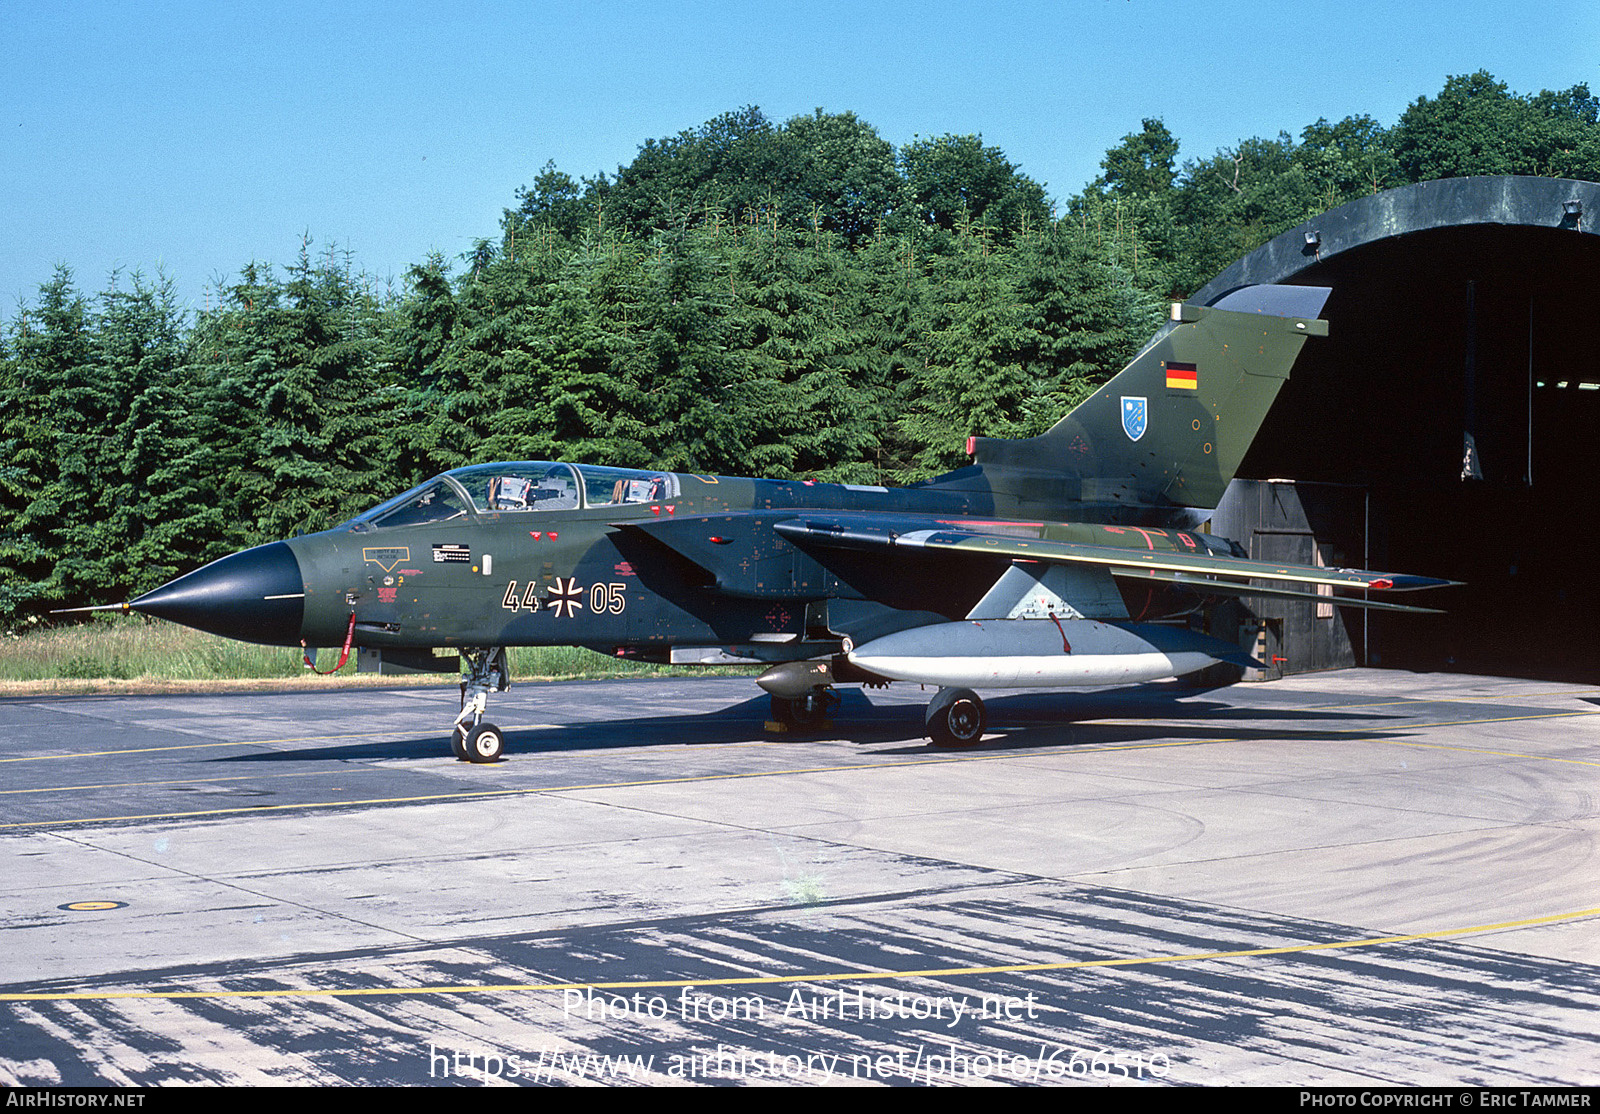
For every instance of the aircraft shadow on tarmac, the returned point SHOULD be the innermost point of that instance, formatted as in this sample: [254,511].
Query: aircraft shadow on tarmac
[1022,720]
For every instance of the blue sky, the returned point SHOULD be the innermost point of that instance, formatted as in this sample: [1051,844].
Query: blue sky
[199,137]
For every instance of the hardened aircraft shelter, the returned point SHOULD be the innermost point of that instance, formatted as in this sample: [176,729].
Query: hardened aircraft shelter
[1450,424]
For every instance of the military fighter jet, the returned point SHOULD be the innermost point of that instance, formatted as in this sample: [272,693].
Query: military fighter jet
[1016,571]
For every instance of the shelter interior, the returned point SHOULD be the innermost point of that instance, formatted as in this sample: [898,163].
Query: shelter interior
[1477,333]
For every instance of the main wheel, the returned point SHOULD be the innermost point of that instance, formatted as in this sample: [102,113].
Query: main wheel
[458,741]
[802,712]
[955,718]
[484,743]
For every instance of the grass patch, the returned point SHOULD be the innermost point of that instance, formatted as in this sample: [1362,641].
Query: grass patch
[117,651]
[126,648]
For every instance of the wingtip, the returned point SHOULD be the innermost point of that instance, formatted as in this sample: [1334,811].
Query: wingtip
[1401,582]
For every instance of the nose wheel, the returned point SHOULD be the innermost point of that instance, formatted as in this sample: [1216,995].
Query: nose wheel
[482,743]
[471,738]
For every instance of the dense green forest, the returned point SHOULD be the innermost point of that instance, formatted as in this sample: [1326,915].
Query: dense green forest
[746,297]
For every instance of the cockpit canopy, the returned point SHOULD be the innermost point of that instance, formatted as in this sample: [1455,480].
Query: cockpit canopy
[519,486]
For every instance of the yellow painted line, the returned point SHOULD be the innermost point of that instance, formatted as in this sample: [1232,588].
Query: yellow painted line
[831,976]
[514,792]
[396,736]
[1506,698]
[365,770]
[195,746]
[1354,737]
[1569,714]
[419,736]
[1494,753]
[1415,700]
[343,771]
[254,809]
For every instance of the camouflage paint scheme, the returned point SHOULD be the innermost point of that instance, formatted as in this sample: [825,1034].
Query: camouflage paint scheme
[1087,528]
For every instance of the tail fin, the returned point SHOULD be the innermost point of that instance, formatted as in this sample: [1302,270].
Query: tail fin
[1170,429]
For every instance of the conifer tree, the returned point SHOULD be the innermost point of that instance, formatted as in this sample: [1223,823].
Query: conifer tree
[794,314]
[156,513]
[974,378]
[593,409]
[293,364]
[51,418]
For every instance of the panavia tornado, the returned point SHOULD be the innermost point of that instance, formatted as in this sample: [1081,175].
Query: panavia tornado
[1064,560]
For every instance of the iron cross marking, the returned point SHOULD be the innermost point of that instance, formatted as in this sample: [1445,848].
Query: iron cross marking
[565,595]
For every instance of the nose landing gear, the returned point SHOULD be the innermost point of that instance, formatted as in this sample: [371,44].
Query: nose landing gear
[484,671]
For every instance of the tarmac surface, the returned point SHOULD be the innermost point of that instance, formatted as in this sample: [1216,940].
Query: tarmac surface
[1358,878]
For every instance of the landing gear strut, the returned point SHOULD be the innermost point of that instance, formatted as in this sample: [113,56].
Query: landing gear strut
[483,671]
[955,718]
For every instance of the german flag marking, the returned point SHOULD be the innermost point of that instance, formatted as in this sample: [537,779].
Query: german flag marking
[1184,377]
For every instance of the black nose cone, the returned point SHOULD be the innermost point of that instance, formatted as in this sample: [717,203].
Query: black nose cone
[254,596]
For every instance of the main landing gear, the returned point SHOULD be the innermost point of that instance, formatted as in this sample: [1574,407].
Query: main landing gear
[483,671]
[955,718]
